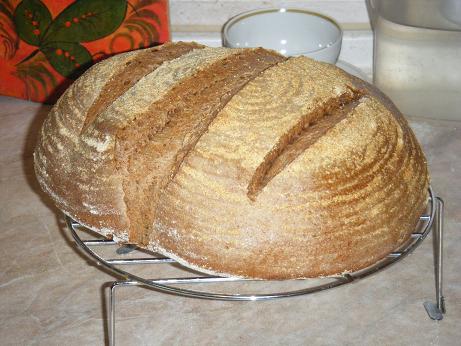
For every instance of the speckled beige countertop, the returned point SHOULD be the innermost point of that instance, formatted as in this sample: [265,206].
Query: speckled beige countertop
[49,294]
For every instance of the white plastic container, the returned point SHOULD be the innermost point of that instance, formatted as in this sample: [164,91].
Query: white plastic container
[417,55]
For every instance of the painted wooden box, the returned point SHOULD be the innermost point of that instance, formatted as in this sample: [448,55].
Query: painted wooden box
[46,44]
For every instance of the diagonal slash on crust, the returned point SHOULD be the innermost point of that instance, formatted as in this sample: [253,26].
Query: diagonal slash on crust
[170,130]
[145,62]
[181,155]
[309,128]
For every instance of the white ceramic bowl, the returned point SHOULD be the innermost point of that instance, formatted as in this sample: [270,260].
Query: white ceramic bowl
[289,31]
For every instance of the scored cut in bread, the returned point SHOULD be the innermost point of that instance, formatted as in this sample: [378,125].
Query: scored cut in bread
[237,162]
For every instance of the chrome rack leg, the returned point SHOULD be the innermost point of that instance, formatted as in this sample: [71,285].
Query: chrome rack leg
[436,311]
[111,314]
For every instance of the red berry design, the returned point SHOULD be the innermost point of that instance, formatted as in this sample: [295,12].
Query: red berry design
[66,30]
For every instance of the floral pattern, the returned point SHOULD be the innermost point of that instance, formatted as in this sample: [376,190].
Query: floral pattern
[45,45]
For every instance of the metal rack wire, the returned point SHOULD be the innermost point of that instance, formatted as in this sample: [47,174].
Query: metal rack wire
[432,219]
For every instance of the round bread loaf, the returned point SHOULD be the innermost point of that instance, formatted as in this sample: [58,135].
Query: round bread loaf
[237,162]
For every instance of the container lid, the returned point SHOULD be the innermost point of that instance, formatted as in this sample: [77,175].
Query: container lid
[429,14]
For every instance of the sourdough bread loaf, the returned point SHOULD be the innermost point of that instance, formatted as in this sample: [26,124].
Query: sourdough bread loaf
[238,162]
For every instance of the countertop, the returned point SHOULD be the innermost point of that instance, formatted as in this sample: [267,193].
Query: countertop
[50,295]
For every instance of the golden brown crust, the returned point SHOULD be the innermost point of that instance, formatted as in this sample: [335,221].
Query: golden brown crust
[305,171]
[139,66]
[172,126]
[309,128]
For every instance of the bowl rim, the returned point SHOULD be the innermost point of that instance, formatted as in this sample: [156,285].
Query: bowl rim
[240,16]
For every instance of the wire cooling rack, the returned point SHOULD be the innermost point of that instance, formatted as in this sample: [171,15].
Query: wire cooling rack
[432,219]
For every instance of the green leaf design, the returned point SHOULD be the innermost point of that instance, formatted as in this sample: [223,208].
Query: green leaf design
[68,58]
[36,70]
[87,20]
[31,19]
